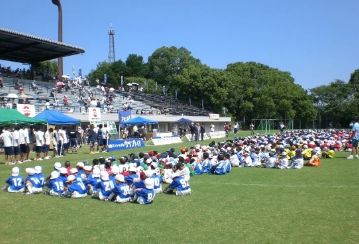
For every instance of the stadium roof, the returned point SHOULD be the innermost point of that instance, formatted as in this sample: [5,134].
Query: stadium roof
[23,48]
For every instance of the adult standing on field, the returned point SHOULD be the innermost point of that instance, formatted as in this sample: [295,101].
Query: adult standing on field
[354,139]
[7,138]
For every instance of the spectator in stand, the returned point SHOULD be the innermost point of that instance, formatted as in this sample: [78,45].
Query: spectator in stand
[1,82]
[66,101]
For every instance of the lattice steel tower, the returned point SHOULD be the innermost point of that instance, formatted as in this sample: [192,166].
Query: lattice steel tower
[111,45]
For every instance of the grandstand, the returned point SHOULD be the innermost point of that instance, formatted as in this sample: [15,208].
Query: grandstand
[24,48]
[140,103]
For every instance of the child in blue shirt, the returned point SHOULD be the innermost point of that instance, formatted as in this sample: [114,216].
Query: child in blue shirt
[56,185]
[121,192]
[15,183]
[147,194]
[179,185]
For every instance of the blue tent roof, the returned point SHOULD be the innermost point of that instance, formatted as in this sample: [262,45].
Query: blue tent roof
[184,121]
[140,120]
[53,117]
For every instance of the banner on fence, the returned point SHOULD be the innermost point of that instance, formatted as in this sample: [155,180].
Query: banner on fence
[166,140]
[117,145]
[26,109]
[94,115]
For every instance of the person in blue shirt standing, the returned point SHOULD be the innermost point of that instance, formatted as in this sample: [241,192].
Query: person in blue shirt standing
[105,186]
[15,183]
[32,182]
[56,185]
[354,139]
[75,188]
[179,185]
[121,193]
[145,195]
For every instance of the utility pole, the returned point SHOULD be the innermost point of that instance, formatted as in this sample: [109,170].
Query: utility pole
[60,65]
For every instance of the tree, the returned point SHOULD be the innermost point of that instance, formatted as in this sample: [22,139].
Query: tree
[135,66]
[47,69]
[168,62]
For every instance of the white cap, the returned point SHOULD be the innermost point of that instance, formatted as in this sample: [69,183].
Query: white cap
[73,171]
[115,169]
[120,178]
[148,161]
[121,168]
[104,175]
[149,183]
[132,169]
[30,171]
[54,175]
[15,171]
[80,164]
[284,154]
[96,172]
[63,171]
[57,165]
[154,164]
[38,169]
[70,178]
[149,173]
[88,168]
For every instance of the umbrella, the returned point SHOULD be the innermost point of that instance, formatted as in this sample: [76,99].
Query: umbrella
[25,96]
[184,121]
[12,95]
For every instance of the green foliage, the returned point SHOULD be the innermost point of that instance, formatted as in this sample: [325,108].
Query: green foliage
[258,91]
[47,69]
[337,103]
[244,90]
[166,63]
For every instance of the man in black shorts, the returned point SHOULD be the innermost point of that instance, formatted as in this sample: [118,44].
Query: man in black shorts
[6,137]
[73,139]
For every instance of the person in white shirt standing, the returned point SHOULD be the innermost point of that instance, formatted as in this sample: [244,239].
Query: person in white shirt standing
[16,145]
[105,137]
[39,143]
[7,138]
[23,144]
[62,143]
[47,144]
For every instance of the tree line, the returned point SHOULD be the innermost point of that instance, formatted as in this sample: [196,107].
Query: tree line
[244,91]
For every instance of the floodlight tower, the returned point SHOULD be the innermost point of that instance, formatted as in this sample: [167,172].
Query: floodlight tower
[111,45]
[60,65]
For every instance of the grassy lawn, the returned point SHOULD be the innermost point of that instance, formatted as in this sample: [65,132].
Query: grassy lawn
[249,205]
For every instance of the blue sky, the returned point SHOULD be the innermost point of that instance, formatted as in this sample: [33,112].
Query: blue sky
[315,40]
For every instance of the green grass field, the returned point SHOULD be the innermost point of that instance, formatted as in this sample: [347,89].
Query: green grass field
[249,205]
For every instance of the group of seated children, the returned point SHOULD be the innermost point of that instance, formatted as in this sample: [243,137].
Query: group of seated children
[108,182]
